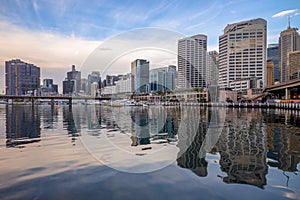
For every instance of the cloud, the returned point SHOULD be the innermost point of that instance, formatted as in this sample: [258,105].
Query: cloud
[43,48]
[284,13]
[54,53]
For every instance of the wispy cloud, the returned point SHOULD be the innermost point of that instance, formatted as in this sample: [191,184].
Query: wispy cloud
[284,13]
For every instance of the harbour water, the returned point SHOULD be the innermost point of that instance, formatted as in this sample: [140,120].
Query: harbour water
[155,152]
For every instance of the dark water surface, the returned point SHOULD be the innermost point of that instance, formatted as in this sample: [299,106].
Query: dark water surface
[97,152]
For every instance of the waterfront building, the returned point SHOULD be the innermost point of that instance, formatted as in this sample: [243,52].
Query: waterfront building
[192,61]
[163,79]
[108,90]
[289,41]
[293,64]
[212,71]
[273,55]
[270,73]
[21,78]
[140,75]
[242,52]
[48,88]
[94,77]
[125,84]
[72,83]
[242,85]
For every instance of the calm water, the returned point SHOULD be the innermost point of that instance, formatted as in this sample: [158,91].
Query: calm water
[94,152]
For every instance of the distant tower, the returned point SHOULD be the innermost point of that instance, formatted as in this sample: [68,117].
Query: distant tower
[289,41]
[140,75]
[192,61]
[242,52]
[72,83]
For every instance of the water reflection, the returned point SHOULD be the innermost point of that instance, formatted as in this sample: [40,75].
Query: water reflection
[243,148]
[252,142]
[22,125]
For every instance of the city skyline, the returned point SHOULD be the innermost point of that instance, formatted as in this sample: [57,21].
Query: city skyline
[63,39]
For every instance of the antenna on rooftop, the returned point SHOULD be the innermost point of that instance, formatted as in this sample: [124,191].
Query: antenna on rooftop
[289,21]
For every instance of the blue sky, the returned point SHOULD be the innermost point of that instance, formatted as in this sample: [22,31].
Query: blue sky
[64,32]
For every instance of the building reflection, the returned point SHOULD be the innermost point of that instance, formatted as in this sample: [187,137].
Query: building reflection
[243,147]
[72,123]
[283,140]
[140,128]
[50,116]
[191,136]
[22,125]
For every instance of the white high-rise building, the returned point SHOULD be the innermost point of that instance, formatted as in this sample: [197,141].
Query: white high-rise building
[192,61]
[242,52]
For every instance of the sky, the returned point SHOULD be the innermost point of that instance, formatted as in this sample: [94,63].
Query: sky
[107,35]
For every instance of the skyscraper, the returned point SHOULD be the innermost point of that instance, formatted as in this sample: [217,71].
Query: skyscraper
[21,77]
[289,41]
[192,61]
[273,55]
[140,75]
[72,83]
[242,51]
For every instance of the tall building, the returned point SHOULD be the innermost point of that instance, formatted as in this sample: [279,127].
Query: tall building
[21,78]
[212,71]
[242,52]
[94,77]
[163,79]
[192,61]
[140,75]
[72,83]
[273,55]
[293,64]
[289,41]
[270,73]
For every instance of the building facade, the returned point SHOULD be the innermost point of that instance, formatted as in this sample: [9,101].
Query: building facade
[242,52]
[125,84]
[192,61]
[140,75]
[289,41]
[293,64]
[72,83]
[21,78]
[163,79]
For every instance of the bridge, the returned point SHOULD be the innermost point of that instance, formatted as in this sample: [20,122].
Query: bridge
[287,90]
[52,98]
